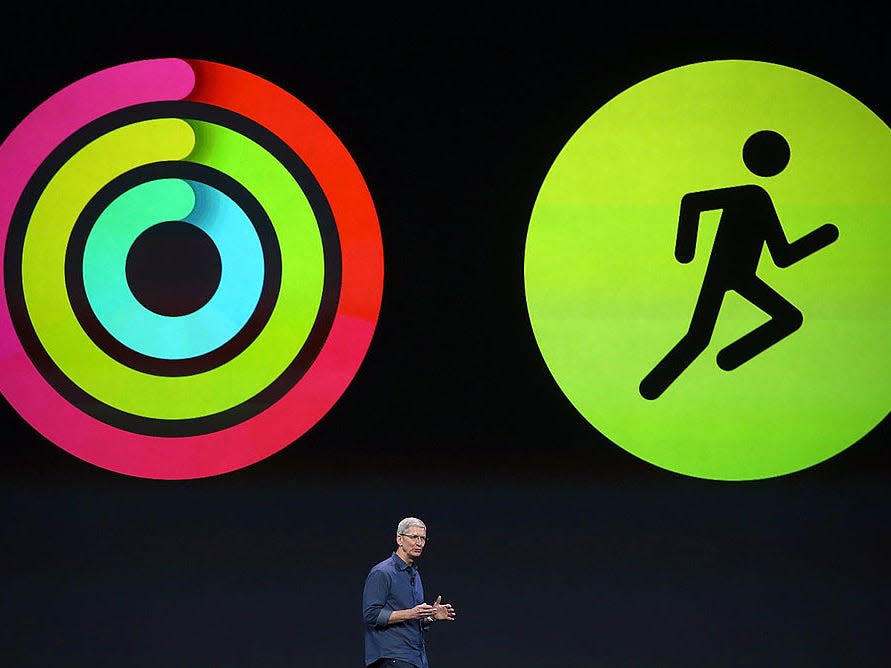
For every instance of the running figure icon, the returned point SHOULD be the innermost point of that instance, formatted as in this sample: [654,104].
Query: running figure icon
[748,221]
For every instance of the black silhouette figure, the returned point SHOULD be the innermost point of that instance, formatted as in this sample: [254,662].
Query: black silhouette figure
[748,221]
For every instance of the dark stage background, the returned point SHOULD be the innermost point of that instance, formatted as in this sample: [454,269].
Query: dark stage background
[556,547]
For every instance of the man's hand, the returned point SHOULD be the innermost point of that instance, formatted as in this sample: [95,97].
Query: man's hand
[439,611]
[442,611]
[420,611]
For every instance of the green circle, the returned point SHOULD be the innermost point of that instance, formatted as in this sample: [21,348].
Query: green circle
[607,298]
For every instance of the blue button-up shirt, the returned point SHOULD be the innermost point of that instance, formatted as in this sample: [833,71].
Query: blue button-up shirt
[393,585]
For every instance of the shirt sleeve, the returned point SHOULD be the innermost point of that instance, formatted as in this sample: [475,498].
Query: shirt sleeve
[374,599]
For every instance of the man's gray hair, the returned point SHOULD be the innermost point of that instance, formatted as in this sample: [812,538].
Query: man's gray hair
[407,523]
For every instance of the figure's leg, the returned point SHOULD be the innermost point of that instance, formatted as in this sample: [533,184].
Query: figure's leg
[702,325]
[785,319]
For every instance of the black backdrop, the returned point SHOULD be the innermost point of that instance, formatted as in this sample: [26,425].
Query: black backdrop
[556,547]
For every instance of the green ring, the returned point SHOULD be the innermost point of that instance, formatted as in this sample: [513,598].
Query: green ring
[165,397]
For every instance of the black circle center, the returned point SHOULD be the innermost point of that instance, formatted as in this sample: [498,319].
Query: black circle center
[173,268]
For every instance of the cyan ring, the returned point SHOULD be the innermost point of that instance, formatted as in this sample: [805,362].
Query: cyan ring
[154,334]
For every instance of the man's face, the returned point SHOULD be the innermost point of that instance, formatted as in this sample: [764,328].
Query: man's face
[413,541]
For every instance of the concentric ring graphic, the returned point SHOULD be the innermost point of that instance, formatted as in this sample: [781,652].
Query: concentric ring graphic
[193,268]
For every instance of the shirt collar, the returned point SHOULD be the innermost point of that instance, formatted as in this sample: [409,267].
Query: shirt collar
[400,564]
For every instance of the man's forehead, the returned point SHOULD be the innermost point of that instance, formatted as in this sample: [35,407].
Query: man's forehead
[416,529]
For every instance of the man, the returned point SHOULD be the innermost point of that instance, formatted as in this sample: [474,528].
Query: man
[396,617]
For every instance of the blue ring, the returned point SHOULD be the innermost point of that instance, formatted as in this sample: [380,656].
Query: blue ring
[162,336]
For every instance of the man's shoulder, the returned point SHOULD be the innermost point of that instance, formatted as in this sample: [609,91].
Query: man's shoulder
[386,566]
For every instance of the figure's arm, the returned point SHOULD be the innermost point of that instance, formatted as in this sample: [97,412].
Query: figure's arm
[692,204]
[374,604]
[785,254]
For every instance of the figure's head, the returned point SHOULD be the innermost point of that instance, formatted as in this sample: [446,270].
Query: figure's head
[766,153]
[411,537]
